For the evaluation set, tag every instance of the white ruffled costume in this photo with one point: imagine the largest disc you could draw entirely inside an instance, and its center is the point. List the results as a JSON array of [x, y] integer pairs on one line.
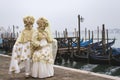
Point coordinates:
[[43, 61], [43, 57], [44, 54], [21, 53]]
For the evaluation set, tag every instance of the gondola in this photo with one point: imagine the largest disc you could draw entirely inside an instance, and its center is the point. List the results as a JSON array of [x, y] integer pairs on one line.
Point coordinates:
[[84, 52], [99, 59], [74, 44], [80, 56], [96, 57], [108, 59], [115, 56], [83, 44], [108, 45], [63, 43], [112, 57]]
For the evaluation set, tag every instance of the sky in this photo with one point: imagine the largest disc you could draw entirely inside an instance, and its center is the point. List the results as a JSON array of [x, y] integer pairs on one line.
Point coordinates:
[[62, 13]]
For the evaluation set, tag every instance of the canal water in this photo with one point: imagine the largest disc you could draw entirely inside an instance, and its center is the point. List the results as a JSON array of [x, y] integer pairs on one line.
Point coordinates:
[[97, 68]]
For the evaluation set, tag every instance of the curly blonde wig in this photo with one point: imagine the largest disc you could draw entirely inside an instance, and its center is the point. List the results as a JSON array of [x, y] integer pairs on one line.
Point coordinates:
[[28, 20], [42, 22]]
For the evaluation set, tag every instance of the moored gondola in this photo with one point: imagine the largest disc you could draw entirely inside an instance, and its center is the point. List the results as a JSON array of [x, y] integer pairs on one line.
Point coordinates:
[[110, 57], [82, 56]]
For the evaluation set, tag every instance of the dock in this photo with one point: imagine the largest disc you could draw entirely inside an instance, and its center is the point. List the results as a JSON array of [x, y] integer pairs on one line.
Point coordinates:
[[61, 73]]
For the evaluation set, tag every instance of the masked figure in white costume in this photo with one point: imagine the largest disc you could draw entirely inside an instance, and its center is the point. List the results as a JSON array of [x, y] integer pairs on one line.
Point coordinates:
[[43, 56], [21, 54]]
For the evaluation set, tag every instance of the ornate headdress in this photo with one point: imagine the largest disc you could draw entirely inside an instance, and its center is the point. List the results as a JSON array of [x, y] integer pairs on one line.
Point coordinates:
[[28, 20], [43, 22]]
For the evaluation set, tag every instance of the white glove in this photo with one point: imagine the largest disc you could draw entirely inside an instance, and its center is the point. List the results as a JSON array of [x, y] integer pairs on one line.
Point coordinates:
[[43, 43]]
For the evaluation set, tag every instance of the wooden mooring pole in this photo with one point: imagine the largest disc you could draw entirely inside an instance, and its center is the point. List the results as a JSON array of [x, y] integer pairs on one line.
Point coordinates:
[[85, 34], [98, 33], [103, 39], [79, 34]]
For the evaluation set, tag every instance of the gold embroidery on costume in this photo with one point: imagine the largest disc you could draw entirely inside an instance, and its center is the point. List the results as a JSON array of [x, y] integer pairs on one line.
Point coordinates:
[[25, 50], [15, 58], [41, 41], [22, 48], [25, 36], [19, 49], [18, 56], [13, 68], [28, 47], [28, 56], [15, 51]]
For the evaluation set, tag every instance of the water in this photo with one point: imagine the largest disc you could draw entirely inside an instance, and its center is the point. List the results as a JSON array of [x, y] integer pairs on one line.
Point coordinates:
[[102, 69], [2, 52]]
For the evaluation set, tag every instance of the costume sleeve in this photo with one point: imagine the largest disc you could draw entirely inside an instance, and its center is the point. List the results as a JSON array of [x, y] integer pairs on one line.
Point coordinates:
[[49, 38], [35, 41], [54, 48], [20, 38]]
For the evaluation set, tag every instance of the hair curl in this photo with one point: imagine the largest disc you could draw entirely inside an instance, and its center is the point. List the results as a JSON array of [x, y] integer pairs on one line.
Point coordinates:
[[28, 20], [43, 22]]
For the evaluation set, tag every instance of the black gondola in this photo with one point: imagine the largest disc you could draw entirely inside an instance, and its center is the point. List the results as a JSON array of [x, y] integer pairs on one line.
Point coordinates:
[[97, 57], [99, 46]]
